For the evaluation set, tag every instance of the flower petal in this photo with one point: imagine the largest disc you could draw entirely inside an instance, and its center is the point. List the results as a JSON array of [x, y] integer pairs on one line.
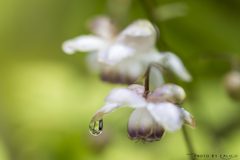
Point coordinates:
[[102, 26], [92, 63], [126, 97], [115, 53], [174, 63], [109, 108], [167, 115], [141, 35], [188, 119], [84, 43], [156, 78], [139, 89], [168, 92], [125, 72], [140, 123]]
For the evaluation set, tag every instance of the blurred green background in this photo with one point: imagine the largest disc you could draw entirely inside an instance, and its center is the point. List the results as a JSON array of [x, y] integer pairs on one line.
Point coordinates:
[[47, 98]]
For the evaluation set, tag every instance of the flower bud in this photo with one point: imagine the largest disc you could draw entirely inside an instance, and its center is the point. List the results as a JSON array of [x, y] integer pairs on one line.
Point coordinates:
[[141, 126], [168, 92], [232, 84]]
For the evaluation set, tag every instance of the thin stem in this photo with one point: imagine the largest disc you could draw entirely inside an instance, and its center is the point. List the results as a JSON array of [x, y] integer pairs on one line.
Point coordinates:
[[188, 141], [146, 92], [145, 77]]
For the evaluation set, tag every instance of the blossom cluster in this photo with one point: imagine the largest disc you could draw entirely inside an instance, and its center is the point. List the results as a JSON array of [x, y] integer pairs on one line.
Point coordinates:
[[124, 57]]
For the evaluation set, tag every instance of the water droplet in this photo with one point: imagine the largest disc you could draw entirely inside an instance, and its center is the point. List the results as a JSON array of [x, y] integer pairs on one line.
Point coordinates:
[[96, 127]]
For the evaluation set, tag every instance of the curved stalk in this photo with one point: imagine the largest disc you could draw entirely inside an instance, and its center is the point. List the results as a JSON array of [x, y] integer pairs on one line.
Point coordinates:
[[188, 141]]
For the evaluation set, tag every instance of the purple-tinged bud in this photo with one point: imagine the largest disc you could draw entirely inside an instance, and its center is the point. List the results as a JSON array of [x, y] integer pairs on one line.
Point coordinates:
[[232, 84], [141, 126]]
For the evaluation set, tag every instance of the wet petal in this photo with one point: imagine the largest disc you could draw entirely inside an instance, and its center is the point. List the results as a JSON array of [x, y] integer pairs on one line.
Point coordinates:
[[126, 97], [174, 63], [102, 26], [84, 43], [109, 108], [168, 92], [141, 35], [167, 115], [188, 119], [115, 54]]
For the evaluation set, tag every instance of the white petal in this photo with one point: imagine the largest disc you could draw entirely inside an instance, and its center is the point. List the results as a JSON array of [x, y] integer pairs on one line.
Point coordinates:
[[134, 68], [133, 123], [109, 108], [115, 53], [139, 89], [175, 64], [150, 56], [156, 78], [188, 119], [166, 114], [125, 72], [141, 35], [126, 97], [92, 63], [140, 123], [102, 26], [168, 93], [84, 43]]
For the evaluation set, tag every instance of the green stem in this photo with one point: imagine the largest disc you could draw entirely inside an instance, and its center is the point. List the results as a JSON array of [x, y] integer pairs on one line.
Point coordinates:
[[188, 141]]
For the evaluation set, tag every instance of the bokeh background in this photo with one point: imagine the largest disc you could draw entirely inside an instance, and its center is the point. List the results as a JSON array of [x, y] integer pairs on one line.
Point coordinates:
[[47, 98]]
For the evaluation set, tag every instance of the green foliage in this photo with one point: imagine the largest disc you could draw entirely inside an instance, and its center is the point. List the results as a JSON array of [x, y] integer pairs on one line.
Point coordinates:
[[47, 98]]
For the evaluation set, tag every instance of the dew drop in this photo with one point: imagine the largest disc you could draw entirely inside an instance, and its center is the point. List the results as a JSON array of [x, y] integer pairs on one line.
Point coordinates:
[[96, 127]]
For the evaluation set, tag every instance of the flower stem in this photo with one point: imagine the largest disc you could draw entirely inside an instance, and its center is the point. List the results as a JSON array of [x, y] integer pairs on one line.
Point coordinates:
[[188, 141], [146, 85]]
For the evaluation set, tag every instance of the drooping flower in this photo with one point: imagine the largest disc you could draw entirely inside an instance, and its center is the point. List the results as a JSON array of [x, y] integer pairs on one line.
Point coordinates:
[[124, 57], [153, 114]]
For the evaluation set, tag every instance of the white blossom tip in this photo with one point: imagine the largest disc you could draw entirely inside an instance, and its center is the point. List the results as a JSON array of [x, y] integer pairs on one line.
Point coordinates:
[[175, 65], [189, 120], [168, 93], [125, 97]]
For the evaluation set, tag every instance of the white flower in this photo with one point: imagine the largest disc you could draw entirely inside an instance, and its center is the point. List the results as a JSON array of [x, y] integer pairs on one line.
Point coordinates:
[[153, 114], [125, 56]]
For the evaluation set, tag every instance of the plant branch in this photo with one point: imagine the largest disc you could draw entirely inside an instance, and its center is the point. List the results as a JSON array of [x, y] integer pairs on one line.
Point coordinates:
[[147, 74]]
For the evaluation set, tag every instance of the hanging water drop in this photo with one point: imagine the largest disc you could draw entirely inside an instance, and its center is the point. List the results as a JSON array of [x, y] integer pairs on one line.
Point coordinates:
[[96, 127]]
